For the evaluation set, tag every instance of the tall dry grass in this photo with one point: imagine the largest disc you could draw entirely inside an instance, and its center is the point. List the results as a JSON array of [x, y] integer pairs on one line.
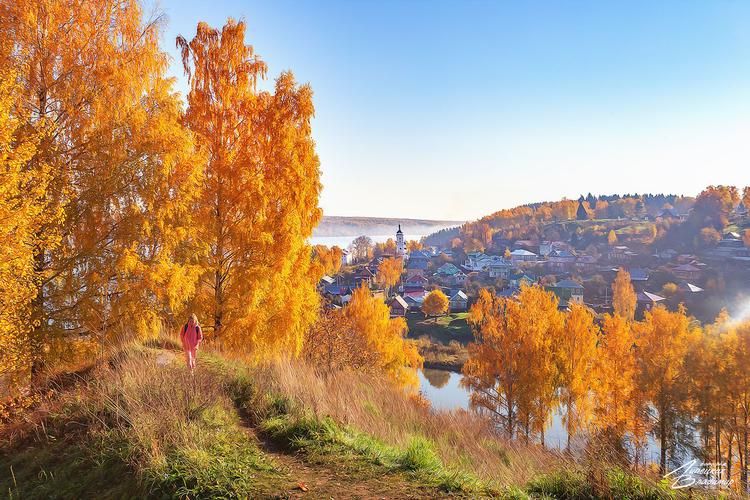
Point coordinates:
[[375, 406]]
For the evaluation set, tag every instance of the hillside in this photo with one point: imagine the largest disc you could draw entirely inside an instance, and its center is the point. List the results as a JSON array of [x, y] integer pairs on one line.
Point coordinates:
[[372, 226], [277, 431]]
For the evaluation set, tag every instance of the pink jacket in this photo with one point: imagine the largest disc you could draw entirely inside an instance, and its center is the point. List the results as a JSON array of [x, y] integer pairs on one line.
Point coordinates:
[[191, 335]]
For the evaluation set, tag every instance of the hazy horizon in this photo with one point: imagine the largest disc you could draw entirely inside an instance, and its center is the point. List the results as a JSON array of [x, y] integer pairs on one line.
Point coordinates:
[[460, 109]]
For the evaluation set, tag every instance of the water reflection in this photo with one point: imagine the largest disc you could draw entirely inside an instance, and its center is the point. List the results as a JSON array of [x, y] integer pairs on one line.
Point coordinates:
[[443, 389], [437, 378]]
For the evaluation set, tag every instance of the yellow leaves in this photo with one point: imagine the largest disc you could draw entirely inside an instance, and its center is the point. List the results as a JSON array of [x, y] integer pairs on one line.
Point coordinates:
[[512, 366], [389, 272], [623, 296], [377, 338], [435, 303], [257, 203]]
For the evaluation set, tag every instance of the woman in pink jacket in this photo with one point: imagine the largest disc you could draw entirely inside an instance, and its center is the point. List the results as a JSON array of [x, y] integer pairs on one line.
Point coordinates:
[[191, 337]]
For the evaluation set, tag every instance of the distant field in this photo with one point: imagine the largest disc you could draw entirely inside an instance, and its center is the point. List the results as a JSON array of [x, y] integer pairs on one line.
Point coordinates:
[[356, 226]]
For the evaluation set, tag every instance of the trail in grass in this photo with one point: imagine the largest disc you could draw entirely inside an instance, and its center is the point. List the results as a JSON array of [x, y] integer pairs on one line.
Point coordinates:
[[313, 478]]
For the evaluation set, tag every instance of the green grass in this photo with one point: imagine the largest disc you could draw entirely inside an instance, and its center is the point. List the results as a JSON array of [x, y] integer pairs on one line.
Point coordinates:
[[442, 329], [66, 469], [613, 483], [143, 429], [328, 441]]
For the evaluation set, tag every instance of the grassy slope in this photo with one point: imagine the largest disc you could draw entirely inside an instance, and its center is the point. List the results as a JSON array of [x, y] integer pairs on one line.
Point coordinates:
[[442, 340], [138, 425]]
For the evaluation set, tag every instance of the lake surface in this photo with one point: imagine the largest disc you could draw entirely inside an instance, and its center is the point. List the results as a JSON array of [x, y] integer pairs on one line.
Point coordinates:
[[443, 389]]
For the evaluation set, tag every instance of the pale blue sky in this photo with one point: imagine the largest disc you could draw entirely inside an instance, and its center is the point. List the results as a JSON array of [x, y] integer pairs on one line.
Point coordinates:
[[453, 110]]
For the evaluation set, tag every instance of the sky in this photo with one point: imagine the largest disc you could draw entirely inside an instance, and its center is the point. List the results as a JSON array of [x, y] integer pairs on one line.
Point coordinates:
[[454, 110]]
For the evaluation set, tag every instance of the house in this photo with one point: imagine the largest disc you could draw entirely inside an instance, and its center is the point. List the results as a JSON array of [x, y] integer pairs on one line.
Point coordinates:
[[585, 263], [687, 272], [324, 282], [688, 288], [346, 257], [647, 300], [638, 274], [500, 269], [518, 278], [458, 302], [520, 255], [547, 247], [668, 213], [567, 291], [560, 260], [415, 282], [447, 269], [419, 255], [449, 274], [416, 267], [399, 306], [619, 253], [364, 275]]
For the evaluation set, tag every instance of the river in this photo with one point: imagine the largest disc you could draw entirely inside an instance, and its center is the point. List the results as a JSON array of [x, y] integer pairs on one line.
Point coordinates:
[[443, 389]]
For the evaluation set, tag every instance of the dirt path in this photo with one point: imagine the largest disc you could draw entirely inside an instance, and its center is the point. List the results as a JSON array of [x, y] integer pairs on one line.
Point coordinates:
[[315, 479]]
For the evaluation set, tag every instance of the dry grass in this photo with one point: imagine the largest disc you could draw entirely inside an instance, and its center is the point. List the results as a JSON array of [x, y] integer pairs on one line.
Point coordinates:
[[371, 404]]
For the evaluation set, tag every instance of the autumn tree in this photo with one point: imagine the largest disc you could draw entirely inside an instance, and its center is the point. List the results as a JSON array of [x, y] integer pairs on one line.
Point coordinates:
[[384, 336], [612, 238], [389, 273], [328, 259], [362, 248], [413, 245], [618, 404], [713, 206], [333, 343], [23, 220], [746, 238], [511, 368], [663, 339], [576, 353], [435, 303], [623, 295], [91, 87], [259, 198]]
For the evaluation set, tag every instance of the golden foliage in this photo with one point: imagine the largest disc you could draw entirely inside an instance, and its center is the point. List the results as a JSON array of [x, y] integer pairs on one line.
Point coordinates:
[[115, 164], [389, 272], [258, 202], [576, 353], [511, 368], [328, 260], [623, 296], [435, 303], [384, 336]]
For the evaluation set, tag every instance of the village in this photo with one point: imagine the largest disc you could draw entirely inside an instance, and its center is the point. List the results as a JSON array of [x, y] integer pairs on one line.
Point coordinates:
[[699, 280]]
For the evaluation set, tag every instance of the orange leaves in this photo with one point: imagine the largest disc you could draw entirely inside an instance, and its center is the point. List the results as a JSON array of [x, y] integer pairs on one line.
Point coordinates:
[[511, 367], [383, 337], [258, 202], [389, 272], [623, 296], [435, 303]]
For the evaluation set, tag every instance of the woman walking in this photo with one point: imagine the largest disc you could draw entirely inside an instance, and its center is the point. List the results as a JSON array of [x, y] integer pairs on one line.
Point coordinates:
[[191, 336]]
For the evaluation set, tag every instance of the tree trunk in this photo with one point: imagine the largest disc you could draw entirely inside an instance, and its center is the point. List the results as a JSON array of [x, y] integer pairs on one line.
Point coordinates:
[[662, 444]]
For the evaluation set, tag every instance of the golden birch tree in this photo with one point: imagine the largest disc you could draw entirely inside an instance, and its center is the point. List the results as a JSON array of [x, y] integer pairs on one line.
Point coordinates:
[[623, 296], [92, 86], [259, 199]]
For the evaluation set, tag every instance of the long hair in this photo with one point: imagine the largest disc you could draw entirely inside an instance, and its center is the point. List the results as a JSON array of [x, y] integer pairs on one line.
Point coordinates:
[[195, 319]]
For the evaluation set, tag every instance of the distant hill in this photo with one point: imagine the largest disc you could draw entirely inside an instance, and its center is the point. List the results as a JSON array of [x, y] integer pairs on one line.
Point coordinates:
[[333, 225]]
